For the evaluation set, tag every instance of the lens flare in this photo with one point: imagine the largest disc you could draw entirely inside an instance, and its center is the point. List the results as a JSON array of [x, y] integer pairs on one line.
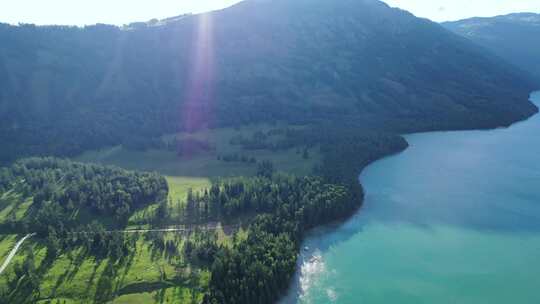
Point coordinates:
[[197, 107]]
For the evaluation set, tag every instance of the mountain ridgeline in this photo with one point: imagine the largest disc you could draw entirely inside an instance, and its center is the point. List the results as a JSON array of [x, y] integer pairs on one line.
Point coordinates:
[[64, 90], [513, 37]]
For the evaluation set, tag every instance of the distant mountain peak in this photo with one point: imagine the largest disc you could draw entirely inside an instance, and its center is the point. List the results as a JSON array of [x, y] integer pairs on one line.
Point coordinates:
[[524, 17], [517, 18], [514, 37]]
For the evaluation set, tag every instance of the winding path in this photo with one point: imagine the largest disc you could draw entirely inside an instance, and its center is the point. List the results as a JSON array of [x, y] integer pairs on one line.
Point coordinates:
[[13, 252]]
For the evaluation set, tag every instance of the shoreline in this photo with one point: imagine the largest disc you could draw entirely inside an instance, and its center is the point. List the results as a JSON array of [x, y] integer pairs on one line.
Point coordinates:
[[337, 223]]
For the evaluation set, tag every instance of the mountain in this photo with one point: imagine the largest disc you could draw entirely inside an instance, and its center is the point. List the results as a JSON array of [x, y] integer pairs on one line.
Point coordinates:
[[67, 89], [513, 37]]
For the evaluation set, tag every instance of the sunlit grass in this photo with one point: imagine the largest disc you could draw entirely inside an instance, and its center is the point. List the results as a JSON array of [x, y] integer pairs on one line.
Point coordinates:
[[147, 273], [179, 186]]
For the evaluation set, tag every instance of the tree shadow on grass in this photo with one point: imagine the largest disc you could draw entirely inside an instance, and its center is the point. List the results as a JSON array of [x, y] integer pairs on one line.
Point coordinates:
[[128, 263], [160, 295], [92, 278], [71, 270], [104, 287], [156, 245], [77, 263]]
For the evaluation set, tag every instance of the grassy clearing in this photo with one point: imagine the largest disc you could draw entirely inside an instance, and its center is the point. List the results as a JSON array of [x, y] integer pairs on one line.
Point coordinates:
[[202, 166], [179, 186], [148, 275], [178, 189], [206, 164]]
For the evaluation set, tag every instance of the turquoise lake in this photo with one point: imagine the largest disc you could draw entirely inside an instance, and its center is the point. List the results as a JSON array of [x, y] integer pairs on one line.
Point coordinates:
[[453, 219]]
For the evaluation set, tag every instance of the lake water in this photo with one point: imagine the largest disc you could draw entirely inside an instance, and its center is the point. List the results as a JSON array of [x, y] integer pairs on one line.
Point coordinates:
[[453, 219]]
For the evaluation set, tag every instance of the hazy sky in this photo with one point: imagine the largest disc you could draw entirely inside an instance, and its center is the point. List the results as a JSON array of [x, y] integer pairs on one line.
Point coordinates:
[[80, 12], [445, 10]]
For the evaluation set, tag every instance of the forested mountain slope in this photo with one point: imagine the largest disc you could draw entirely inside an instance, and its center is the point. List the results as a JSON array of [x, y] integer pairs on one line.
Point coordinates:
[[66, 89], [514, 37]]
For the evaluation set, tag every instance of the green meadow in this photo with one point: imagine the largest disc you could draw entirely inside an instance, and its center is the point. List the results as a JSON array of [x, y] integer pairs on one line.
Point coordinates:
[[206, 165]]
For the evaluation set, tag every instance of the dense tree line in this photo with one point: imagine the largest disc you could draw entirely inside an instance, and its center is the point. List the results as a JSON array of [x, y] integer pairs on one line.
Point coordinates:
[[201, 248], [259, 268], [267, 194], [59, 188]]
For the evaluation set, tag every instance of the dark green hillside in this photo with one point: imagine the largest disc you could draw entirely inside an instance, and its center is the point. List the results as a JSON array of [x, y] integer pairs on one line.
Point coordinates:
[[513, 37], [65, 90]]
